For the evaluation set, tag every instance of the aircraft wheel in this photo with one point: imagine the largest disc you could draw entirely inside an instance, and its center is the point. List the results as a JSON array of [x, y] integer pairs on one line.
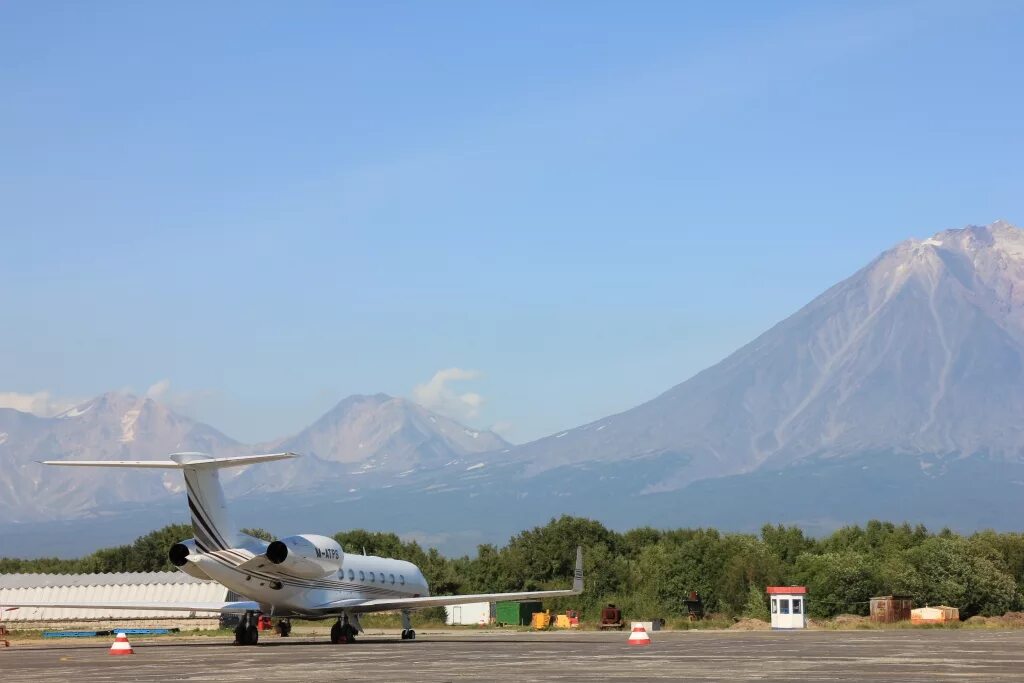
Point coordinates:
[[336, 633], [284, 628], [412, 634], [405, 634], [252, 635]]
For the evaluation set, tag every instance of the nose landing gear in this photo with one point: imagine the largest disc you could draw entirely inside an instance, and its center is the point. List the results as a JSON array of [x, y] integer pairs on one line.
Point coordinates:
[[407, 631]]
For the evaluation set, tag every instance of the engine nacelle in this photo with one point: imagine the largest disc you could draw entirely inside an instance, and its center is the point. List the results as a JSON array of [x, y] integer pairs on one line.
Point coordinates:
[[178, 554], [306, 555]]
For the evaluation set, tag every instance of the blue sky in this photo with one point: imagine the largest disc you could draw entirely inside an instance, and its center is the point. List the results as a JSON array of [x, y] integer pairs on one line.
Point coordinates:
[[255, 209]]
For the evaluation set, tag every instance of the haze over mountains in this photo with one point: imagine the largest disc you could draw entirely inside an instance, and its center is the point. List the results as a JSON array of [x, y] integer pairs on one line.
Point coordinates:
[[896, 393], [362, 439]]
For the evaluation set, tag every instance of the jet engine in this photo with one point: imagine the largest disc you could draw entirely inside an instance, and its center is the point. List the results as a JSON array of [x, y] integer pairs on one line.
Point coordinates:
[[178, 554], [306, 555]]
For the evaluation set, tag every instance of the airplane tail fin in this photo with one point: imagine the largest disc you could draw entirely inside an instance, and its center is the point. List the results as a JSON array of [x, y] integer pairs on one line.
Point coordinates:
[[214, 529]]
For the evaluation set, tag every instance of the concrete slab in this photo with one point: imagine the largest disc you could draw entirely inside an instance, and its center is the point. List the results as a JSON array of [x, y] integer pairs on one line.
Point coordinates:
[[903, 655]]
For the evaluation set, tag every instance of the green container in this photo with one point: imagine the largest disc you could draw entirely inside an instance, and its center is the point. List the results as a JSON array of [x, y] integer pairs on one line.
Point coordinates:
[[510, 613]]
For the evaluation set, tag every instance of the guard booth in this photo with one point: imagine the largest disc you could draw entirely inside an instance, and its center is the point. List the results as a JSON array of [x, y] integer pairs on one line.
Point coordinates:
[[788, 606]]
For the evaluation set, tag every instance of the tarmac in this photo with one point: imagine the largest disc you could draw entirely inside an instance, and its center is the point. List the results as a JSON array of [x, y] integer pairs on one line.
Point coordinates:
[[888, 655]]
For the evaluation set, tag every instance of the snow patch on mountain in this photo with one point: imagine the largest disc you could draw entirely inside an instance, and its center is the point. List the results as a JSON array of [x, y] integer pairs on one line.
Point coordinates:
[[76, 411]]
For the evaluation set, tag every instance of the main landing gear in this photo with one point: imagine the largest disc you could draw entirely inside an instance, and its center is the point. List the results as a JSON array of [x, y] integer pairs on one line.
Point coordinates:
[[246, 632], [407, 632], [343, 632]]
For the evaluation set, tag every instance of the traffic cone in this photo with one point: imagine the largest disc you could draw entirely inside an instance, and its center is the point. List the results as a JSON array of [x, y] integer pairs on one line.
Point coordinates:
[[121, 646], [639, 637]]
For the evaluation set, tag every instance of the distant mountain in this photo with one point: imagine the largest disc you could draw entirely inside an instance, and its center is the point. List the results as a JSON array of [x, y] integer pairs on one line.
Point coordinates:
[[112, 426], [897, 394], [363, 439], [369, 441], [919, 354]]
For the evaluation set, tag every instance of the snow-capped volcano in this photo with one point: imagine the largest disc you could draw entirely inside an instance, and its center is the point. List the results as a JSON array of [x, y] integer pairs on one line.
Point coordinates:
[[115, 426], [920, 352], [366, 441]]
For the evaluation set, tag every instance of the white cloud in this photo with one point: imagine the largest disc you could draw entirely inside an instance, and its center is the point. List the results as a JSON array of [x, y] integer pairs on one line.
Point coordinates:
[[439, 396], [194, 404], [158, 390], [40, 403]]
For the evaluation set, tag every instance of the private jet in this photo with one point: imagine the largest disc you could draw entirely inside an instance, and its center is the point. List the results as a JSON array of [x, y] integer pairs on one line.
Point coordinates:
[[303, 576]]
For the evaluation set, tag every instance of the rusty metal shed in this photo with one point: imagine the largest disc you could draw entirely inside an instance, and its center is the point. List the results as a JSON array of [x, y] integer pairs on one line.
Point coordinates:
[[888, 609]]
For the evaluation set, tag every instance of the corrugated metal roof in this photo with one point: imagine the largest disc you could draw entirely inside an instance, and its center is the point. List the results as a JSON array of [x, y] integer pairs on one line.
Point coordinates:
[[103, 579], [160, 587]]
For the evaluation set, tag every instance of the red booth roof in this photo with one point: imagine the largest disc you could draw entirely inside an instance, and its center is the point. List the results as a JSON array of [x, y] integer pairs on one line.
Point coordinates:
[[786, 590]]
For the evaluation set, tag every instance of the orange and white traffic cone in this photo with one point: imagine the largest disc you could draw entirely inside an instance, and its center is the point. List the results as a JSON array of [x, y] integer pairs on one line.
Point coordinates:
[[121, 646], [639, 637]]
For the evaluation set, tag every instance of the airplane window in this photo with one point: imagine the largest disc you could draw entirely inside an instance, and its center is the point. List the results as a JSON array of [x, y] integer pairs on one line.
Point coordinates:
[[382, 577], [362, 576], [401, 579], [392, 577], [351, 575], [372, 579]]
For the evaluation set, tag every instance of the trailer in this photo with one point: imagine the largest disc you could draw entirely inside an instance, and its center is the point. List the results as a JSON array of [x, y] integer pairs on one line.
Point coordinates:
[[469, 614]]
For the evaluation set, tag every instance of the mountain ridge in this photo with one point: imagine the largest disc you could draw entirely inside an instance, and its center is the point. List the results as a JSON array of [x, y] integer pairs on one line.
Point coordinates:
[[915, 360], [123, 426]]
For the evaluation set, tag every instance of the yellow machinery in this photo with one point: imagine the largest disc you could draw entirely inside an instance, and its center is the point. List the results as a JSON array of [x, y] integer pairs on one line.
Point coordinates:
[[541, 620]]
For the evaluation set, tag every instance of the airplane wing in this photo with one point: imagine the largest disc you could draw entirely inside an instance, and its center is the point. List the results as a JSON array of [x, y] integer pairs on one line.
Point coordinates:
[[385, 604], [231, 607]]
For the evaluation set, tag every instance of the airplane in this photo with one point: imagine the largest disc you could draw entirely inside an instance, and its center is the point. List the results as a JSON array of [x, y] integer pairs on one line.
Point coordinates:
[[302, 576]]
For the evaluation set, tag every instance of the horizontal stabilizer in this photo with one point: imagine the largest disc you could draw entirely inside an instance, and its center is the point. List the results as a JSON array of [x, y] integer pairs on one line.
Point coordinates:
[[179, 461]]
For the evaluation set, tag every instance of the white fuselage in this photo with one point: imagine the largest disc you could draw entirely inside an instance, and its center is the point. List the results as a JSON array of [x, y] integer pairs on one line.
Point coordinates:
[[361, 577]]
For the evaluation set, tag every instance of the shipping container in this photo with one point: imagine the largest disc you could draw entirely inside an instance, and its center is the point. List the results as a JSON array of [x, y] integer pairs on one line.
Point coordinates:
[[469, 614], [510, 613], [889, 609]]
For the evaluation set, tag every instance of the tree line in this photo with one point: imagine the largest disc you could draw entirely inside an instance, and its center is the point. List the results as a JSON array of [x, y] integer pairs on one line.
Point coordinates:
[[649, 572]]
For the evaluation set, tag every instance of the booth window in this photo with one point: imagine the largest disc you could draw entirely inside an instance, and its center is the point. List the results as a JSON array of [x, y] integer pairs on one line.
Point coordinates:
[[797, 605], [784, 606]]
